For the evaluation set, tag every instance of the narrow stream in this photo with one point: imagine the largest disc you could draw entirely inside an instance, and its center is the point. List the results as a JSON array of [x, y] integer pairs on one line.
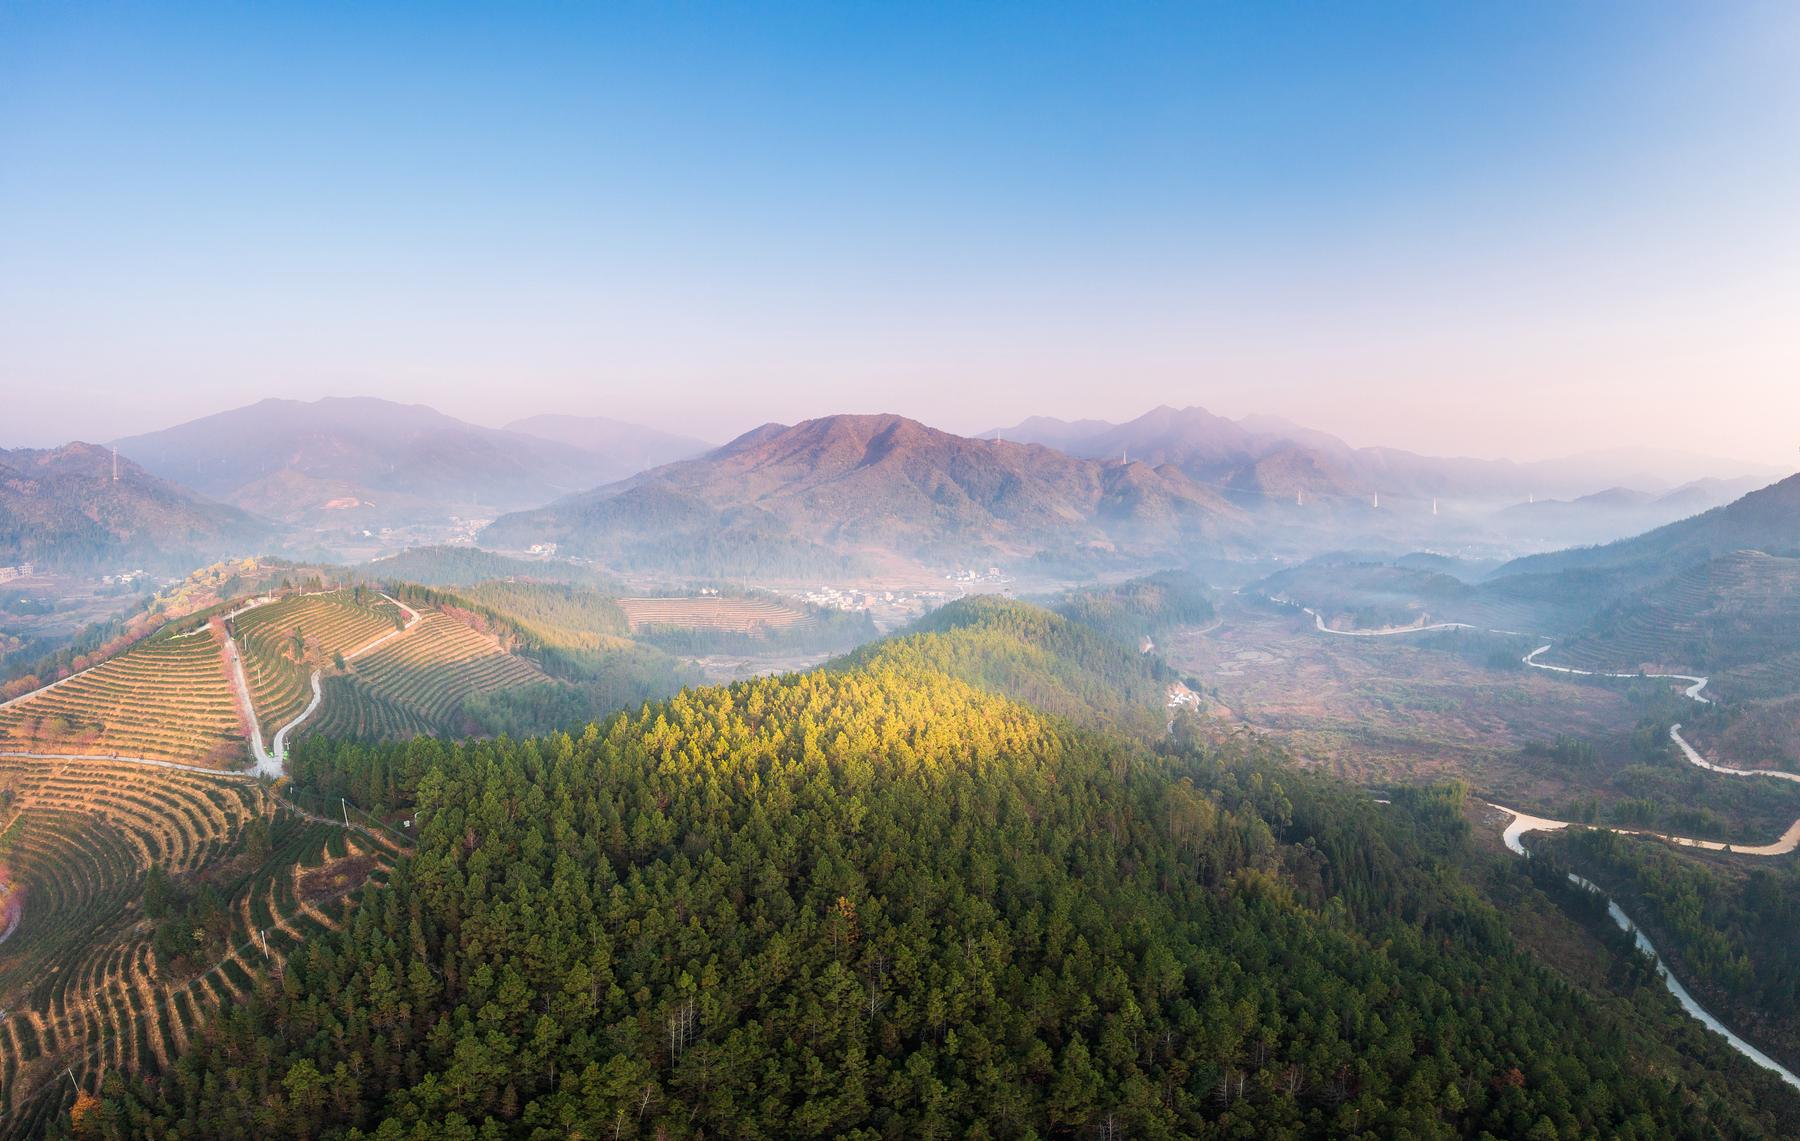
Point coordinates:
[[1515, 841]]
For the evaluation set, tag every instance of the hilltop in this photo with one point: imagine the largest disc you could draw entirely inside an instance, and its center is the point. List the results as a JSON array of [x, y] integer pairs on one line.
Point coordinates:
[[63, 507], [834, 486]]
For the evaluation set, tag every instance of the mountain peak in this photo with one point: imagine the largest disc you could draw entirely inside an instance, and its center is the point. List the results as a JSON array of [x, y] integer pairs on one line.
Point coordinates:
[[859, 482]]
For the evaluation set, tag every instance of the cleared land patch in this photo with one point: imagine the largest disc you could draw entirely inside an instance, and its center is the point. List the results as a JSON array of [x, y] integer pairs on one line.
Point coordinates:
[[1370, 711], [741, 615]]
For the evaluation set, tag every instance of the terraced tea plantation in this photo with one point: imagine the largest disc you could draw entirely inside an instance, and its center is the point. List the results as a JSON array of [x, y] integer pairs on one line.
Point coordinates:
[[82, 987], [351, 709], [285, 641], [416, 682], [1742, 610], [708, 612], [167, 699]]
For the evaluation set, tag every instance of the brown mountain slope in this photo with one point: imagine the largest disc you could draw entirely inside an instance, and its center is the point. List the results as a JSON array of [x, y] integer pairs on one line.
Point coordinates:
[[299, 461], [841, 483]]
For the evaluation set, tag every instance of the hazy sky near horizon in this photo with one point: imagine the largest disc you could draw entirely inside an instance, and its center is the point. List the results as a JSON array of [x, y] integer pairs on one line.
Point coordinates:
[[1479, 228]]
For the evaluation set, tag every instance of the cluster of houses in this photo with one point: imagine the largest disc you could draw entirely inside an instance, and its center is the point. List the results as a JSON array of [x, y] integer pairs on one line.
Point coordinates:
[[836, 598], [990, 575], [23, 570]]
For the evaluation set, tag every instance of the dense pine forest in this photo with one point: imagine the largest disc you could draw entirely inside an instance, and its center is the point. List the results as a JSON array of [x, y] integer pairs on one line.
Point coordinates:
[[890, 899], [1140, 607]]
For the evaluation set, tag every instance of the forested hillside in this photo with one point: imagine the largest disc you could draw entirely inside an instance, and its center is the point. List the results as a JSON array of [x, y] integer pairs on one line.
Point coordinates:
[[452, 566], [879, 901], [1139, 607], [1033, 655]]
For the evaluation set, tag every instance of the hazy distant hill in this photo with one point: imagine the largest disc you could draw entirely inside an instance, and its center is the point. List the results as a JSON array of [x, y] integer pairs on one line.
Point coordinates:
[[1269, 457], [626, 449], [62, 507], [1353, 594], [844, 484], [1048, 430], [1618, 512], [1764, 520], [359, 457]]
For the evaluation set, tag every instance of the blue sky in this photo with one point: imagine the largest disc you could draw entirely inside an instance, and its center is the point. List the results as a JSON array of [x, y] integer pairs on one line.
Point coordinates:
[[1506, 228]]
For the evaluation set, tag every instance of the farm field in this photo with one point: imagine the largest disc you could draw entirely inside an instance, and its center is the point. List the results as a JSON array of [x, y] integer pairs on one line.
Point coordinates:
[[167, 699], [416, 682], [285, 641], [83, 985], [1366, 710], [723, 669], [741, 615]]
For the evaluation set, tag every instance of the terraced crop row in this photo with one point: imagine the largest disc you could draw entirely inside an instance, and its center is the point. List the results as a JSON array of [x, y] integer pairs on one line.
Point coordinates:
[[165, 699], [329, 624], [280, 685], [431, 668], [82, 989], [353, 710], [336, 622], [1740, 610], [709, 613], [1775, 677]]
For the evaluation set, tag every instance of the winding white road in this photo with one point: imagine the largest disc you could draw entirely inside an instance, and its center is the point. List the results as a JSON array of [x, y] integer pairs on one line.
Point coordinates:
[[1521, 823], [1693, 691], [269, 761], [272, 762]]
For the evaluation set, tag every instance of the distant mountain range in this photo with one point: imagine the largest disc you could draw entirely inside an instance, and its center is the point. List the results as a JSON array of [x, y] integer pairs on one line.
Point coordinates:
[[359, 460], [1712, 591], [1618, 511], [1266, 456], [1172, 485], [839, 486], [62, 507]]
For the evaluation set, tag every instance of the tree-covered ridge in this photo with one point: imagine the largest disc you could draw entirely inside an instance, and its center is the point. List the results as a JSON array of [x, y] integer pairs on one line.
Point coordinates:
[[1032, 655], [464, 565], [79, 507], [1139, 607], [879, 902]]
